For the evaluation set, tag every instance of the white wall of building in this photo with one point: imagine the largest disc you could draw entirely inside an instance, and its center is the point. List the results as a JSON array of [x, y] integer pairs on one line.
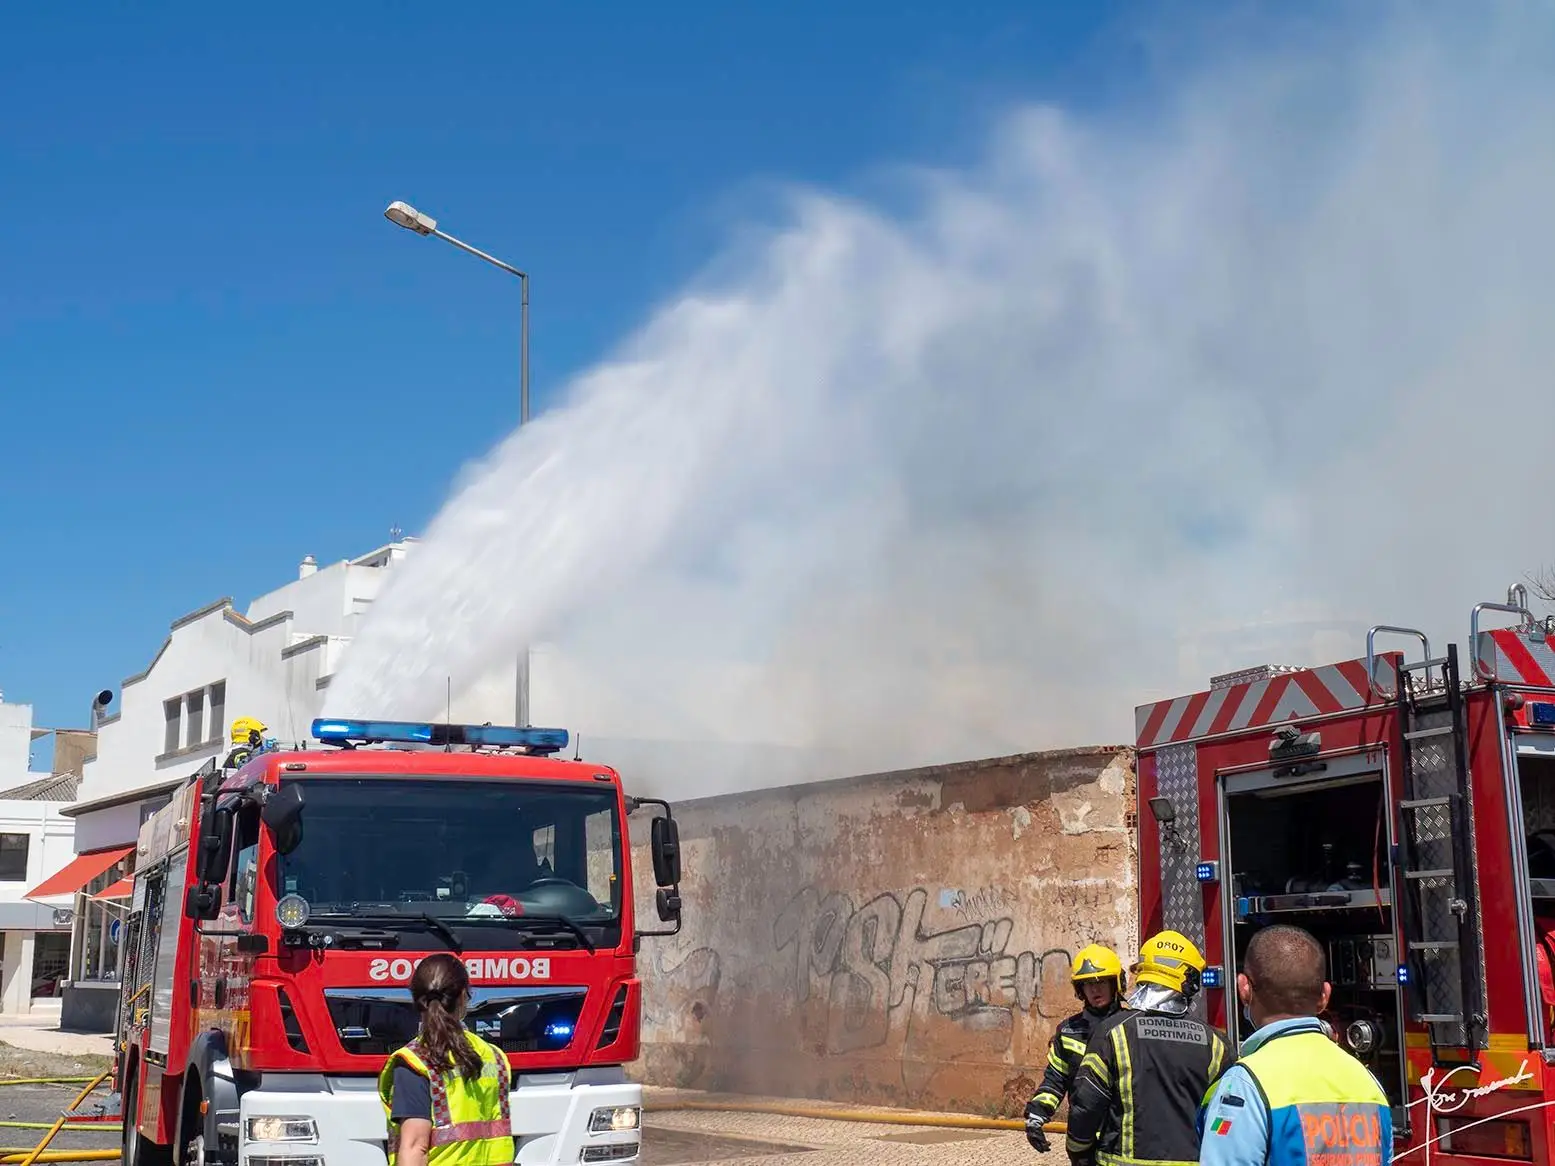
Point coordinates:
[[15, 743], [49, 846], [271, 661]]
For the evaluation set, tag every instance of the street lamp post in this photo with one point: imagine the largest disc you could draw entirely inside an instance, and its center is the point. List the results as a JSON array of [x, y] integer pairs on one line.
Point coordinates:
[[404, 215]]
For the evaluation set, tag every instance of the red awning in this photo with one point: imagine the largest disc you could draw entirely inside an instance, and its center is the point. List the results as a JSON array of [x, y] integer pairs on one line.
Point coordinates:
[[77, 873], [123, 889]]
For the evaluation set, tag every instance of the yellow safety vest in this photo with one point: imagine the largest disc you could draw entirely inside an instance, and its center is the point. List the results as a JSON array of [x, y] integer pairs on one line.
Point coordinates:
[[1325, 1107], [471, 1122]]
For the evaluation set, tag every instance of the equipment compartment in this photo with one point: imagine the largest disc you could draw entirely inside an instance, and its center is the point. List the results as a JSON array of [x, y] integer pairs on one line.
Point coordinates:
[[1317, 856]]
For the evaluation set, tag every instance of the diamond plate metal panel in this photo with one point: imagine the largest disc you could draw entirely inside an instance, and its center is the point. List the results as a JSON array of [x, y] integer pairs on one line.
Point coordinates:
[[1434, 774], [1182, 899]]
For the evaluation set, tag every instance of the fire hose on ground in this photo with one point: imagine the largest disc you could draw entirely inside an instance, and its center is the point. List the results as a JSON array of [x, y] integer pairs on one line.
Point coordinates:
[[31, 1156], [897, 1117], [40, 1153]]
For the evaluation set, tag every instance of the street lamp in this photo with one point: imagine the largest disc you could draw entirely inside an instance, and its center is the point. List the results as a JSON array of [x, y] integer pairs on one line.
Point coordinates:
[[402, 214]]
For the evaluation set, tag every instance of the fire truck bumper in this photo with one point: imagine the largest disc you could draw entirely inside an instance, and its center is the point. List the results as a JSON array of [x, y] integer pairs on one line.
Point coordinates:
[[588, 1116]]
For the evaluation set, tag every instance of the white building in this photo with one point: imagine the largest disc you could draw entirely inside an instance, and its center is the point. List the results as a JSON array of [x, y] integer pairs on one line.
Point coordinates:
[[271, 662], [35, 842]]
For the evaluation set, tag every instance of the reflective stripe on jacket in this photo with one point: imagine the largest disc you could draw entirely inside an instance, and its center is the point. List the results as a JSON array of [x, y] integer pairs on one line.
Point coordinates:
[[1064, 1056], [472, 1124], [1136, 1098], [1295, 1098]]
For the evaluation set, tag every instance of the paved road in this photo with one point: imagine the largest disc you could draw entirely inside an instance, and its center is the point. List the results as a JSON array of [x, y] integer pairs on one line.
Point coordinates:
[[43, 1103], [689, 1138], [673, 1138]]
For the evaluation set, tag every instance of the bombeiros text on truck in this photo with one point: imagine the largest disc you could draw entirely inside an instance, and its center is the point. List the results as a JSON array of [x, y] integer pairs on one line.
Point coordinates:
[[1401, 808], [281, 907]]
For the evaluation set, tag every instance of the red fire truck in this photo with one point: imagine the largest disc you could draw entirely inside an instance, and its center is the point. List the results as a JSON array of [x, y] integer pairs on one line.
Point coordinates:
[[1403, 811], [280, 909]]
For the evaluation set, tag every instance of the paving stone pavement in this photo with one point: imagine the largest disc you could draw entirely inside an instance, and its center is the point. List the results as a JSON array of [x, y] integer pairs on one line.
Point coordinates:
[[826, 1142]]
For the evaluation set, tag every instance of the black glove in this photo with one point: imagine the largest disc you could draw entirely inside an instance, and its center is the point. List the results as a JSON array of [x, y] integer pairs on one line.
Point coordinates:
[[1036, 1118]]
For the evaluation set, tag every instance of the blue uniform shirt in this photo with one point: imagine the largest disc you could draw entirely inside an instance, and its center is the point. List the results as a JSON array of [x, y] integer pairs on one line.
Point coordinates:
[[1234, 1122]]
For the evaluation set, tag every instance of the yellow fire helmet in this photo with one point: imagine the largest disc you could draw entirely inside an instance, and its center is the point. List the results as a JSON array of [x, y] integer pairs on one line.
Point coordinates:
[[243, 727], [1169, 959], [1096, 962]]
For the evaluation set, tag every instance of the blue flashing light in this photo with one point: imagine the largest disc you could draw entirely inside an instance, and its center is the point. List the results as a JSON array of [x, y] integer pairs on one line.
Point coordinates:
[[1244, 907], [1541, 713], [335, 731], [1214, 976], [1403, 973], [559, 1030], [1207, 872]]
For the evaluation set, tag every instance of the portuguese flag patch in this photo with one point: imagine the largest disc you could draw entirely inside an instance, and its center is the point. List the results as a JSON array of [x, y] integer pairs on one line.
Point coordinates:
[[1221, 1127]]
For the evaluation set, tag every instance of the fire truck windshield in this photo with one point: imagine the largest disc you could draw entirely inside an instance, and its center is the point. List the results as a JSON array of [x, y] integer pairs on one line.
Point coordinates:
[[488, 860]]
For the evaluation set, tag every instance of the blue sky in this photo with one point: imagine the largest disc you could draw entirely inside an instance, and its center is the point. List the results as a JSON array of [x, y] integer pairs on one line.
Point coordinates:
[[216, 356]]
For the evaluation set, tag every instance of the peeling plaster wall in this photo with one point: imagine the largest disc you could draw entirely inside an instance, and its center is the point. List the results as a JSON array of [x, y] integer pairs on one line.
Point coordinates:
[[899, 939]]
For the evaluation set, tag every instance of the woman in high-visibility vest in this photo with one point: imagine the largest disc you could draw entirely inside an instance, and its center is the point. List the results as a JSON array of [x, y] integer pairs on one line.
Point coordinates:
[[446, 1092]]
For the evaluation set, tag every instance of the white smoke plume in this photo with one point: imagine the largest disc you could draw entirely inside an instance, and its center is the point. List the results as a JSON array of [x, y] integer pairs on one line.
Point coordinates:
[[1136, 398]]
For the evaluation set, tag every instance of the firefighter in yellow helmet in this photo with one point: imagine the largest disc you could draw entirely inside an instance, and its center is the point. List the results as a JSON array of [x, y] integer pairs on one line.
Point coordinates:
[[248, 734], [1136, 1097], [1097, 976]]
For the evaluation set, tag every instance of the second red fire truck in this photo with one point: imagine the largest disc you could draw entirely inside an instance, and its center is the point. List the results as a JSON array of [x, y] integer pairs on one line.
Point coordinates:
[[281, 908], [1401, 807]]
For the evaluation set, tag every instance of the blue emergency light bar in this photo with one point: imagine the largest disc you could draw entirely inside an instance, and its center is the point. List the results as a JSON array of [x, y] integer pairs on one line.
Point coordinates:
[[333, 731], [1541, 713], [1214, 976]]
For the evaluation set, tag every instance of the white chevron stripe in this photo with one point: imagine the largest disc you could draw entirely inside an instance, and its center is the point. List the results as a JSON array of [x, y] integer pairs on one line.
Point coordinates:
[[1339, 688], [1292, 703], [1249, 705], [1169, 725], [1211, 710]]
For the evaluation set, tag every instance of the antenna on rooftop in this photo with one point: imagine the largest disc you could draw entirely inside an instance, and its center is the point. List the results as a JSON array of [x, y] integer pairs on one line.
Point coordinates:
[[395, 532]]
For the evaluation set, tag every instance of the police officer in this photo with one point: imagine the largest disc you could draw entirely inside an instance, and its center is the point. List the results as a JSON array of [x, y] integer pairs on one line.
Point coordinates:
[[1295, 1097], [446, 1093], [1097, 976], [1136, 1097]]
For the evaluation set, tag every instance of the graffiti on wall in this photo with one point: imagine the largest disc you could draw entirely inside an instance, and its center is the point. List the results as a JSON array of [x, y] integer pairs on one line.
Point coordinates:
[[683, 994], [881, 979]]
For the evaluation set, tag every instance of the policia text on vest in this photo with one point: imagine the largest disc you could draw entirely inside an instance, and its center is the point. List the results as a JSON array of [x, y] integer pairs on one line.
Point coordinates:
[[1295, 1098]]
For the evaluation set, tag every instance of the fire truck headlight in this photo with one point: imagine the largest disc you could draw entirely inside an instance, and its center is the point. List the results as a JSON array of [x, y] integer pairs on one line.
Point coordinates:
[[613, 1119], [292, 911], [282, 1129]]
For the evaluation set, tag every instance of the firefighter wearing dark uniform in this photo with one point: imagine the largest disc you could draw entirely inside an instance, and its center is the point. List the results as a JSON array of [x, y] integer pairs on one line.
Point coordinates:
[[248, 736], [1097, 976], [1136, 1098]]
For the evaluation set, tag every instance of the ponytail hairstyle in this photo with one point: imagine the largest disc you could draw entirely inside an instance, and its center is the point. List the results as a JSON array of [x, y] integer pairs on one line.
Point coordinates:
[[440, 989]]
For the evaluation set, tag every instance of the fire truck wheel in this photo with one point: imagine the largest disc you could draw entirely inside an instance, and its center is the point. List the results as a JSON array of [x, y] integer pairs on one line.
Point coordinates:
[[137, 1150]]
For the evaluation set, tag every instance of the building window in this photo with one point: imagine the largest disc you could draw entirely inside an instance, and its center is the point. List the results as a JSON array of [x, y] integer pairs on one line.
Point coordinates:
[[13, 858], [50, 961], [218, 693], [172, 710], [196, 705]]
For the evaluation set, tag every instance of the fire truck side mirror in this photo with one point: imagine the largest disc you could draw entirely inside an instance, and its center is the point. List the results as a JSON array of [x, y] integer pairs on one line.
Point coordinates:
[[282, 813], [666, 852], [669, 905], [202, 901], [215, 845]]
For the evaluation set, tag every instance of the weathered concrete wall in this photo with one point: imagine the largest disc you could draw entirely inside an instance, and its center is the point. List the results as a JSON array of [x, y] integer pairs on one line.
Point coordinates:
[[901, 939]]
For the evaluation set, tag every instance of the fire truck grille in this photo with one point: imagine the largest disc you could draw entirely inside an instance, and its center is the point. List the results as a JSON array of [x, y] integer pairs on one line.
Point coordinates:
[[372, 1022]]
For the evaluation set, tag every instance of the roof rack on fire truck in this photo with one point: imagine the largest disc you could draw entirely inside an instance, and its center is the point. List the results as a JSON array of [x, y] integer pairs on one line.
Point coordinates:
[[349, 733]]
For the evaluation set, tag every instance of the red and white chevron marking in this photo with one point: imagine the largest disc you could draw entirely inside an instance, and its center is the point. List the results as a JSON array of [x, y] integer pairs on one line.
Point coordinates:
[[1518, 657], [1310, 692]]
